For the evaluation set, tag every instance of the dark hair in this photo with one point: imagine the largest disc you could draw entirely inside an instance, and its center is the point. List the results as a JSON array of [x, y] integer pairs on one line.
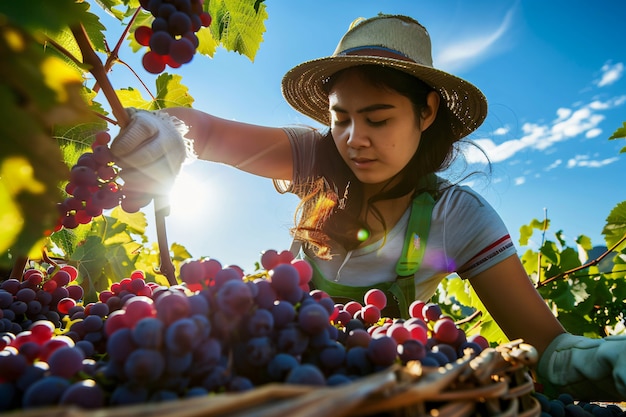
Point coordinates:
[[324, 214]]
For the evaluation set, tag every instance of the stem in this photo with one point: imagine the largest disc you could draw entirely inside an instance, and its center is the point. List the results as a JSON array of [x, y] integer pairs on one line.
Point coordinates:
[[18, 267], [543, 239], [587, 265], [99, 73], [160, 203], [113, 55], [138, 78]]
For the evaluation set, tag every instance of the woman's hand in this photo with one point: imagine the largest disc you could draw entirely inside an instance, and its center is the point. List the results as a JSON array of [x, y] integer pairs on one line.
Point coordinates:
[[589, 369], [150, 150]]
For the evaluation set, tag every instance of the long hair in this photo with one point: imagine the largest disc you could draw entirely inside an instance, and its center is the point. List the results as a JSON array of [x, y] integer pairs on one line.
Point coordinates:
[[333, 199]]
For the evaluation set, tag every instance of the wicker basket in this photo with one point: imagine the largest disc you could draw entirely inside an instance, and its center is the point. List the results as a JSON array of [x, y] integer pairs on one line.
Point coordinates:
[[495, 383]]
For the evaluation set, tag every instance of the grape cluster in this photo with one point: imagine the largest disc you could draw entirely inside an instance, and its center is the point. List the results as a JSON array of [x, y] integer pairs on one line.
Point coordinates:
[[40, 295], [92, 187], [564, 405], [219, 330], [172, 35]]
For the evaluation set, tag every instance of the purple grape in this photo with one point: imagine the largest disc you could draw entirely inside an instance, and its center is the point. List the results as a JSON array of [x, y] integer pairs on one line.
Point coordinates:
[[85, 394], [332, 356], [182, 336], [12, 366], [265, 295], [259, 351], [177, 364], [45, 392], [128, 394], [284, 279], [148, 333], [291, 339], [313, 318], [411, 350], [306, 374], [120, 344], [144, 366], [234, 298], [6, 298], [25, 295], [66, 361], [284, 313], [261, 323], [280, 365], [357, 361], [171, 306]]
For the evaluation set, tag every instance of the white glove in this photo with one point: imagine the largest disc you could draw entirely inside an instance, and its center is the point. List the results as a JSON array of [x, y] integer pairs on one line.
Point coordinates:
[[589, 369], [151, 150]]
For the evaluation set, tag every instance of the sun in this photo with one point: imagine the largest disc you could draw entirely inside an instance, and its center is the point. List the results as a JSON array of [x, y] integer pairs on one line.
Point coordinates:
[[188, 195]]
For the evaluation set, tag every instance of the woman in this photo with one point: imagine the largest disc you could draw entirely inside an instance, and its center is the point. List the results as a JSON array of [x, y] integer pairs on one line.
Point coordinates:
[[373, 212]]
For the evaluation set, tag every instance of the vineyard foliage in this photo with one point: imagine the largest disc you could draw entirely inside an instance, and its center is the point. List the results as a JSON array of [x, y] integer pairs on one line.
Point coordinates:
[[52, 110]]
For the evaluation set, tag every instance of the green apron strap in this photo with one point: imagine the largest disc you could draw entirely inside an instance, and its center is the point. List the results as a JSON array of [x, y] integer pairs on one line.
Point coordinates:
[[403, 288], [416, 236]]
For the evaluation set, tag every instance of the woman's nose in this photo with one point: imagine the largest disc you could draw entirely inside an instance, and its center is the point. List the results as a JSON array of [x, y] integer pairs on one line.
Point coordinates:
[[358, 136]]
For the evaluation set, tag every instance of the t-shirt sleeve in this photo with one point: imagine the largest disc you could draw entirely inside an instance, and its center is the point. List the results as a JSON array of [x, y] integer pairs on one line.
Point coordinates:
[[475, 235], [304, 141]]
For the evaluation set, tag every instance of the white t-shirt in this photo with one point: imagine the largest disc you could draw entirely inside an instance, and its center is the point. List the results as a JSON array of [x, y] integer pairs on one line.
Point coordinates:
[[466, 235]]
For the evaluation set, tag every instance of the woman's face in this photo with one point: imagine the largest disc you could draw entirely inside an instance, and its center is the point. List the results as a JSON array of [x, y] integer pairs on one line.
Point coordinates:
[[375, 129]]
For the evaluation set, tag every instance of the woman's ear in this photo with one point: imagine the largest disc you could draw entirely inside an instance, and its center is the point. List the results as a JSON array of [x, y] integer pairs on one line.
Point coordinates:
[[429, 113]]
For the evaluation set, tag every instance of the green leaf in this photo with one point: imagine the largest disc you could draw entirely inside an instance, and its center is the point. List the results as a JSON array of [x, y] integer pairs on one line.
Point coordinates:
[[207, 43], [41, 15], [527, 231], [143, 18], [129, 97], [110, 7], [136, 222], [615, 227], [584, 242], [237, 25], [171, 93], [619, 133]]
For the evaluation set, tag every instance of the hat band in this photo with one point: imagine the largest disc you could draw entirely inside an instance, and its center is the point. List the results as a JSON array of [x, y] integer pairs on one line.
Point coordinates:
[[380, 51]]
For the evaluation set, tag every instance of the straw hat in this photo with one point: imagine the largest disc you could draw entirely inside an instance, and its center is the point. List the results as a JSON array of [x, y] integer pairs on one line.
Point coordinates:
[[394, 41]]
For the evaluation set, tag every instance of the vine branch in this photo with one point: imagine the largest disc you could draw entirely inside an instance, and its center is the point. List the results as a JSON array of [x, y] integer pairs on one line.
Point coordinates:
[[160, 202], [587, 265]]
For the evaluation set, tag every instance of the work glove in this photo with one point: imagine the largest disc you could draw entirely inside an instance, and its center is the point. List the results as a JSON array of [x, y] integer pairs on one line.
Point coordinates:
[[588, 369], [151, 150]]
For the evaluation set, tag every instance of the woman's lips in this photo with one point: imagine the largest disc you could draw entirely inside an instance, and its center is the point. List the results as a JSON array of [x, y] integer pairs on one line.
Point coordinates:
[[362, 162]]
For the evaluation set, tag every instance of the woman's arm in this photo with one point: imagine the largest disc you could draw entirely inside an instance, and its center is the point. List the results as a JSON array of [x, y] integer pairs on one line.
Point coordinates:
[[259, 150], [513, 302]]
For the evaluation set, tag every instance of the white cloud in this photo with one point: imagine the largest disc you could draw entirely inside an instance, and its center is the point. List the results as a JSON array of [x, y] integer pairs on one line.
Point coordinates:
[[555, 164], [520, 180], [569, 123], [592, 133], [584, 161], [610, 74], [501, 131], [456, 56]]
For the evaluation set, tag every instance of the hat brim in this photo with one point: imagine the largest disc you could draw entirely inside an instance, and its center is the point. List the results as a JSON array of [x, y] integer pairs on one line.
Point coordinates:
[[302, 87]]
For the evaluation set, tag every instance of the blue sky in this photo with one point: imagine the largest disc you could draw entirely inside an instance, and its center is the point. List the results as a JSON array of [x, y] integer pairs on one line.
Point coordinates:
[[553, 73]]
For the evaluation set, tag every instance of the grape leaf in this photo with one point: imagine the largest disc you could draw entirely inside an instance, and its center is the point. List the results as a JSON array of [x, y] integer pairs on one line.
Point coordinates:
[[143, 18], [526, 231], [207, 43], [619, 133], [171, 93], [39, 15], [615, 227], [237, 25], [136, 222], [129, 97]]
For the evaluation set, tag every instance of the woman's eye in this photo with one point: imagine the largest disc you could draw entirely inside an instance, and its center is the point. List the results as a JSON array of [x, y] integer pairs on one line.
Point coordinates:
[[341, 122], [377, 123]]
